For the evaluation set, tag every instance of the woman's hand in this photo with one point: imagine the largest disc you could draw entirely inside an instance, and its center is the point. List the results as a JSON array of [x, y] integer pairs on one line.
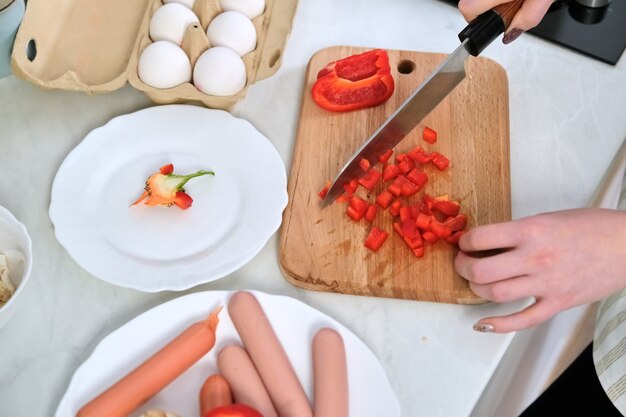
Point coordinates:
[[563, 259], [528, 16]]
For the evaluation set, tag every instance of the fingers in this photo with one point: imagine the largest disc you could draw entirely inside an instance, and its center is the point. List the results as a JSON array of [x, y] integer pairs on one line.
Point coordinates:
[[490, 269], [507, 290], [470, 9], [531, 316], [492, 236], [529, 15]]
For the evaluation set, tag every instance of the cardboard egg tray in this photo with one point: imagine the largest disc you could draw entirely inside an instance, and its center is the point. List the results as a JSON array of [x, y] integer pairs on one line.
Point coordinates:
[[94, 46]]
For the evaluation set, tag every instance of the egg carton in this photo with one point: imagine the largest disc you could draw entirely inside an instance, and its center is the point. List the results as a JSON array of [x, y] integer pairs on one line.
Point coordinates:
[[94, 46]]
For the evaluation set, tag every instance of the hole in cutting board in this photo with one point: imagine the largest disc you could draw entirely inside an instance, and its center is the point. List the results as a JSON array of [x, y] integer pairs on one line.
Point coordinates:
[[406, 67], [31, 50]]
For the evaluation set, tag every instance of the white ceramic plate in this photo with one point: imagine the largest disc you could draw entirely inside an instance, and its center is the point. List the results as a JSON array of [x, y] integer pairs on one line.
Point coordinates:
[[294, 322], [155, 248]]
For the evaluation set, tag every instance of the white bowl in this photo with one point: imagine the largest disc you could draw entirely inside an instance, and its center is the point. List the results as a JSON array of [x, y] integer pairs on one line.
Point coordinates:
[[16, 245]]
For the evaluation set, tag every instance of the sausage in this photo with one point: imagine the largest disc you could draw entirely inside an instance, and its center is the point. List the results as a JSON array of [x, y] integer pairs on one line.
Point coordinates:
[[234, 363], [330, 375], [215, 392], [268, 356], [156, 372]]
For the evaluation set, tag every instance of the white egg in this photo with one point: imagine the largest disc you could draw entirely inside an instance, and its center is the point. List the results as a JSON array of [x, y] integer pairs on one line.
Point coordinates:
[[234, 30], [251, 8], [186, 3], [163, 64], [170, 21], [219, 71]]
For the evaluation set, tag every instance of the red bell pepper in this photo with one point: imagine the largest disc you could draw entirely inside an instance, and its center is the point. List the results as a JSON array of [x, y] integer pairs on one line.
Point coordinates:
[[395, 207], [429, 135], [356, 82], [370, 214], [370, 179], [456, 223], [375, 239], [384, 157], [364, 164], [384, 199], [447, 207], [440, 161], [165, 188], [390, 172]]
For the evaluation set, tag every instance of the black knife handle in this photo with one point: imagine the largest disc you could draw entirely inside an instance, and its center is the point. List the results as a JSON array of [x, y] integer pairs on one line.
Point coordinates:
[[486, 27]]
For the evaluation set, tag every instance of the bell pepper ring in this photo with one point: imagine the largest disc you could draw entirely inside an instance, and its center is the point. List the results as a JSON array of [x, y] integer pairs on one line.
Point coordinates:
[[355, 82]]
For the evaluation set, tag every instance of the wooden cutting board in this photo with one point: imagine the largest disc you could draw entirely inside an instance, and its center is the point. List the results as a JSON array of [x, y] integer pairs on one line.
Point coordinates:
[[322, 249]]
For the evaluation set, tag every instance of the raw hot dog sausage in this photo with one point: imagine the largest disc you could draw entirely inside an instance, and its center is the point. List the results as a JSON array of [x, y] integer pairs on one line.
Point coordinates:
[[156, 372], [215, 392], [234, 363], [268, 356], [330, 374]]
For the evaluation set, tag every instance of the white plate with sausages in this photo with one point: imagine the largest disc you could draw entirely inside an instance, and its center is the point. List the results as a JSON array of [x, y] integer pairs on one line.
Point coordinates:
[[295, 324], [153, 249]]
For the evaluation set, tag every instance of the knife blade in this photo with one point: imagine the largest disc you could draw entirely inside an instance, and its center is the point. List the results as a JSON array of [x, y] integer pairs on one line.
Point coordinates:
[[474, 39]]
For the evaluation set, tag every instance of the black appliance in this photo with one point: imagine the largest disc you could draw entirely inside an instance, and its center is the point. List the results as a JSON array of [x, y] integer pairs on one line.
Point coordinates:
[[596, 28]]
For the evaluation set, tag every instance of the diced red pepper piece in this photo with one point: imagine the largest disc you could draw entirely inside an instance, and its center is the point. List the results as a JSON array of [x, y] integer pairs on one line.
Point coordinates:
[[428, 201], [409, 229], [370, 214], [418, 177], [355, 82], [343, 198], [364, 164], [384, 157], [375, 238], [456, 223], [454, 239], [406, 165], [430, 237], [440, 161], [413, 242], [394, 209], [350, 187], [397, 227], [390, 172], [419, 252], [384, 199], [370, 179], [420, 156], [358, 204], [401, 157], [423, 221], [408, 189], [396, 186], [324, 190], [429, 135], [414, 211], [449, 208], [439, 229], [354, 214], [405, 213]]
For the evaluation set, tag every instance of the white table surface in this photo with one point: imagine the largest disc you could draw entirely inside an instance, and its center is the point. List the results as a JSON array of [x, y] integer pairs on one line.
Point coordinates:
[[568, 117]]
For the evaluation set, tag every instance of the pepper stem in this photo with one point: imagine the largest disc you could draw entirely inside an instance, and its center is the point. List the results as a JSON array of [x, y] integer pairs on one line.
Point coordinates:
[[185, 178]]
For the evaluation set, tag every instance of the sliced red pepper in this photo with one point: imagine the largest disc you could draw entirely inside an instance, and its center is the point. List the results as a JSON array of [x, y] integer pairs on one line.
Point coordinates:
[[375, 238], [356, 82], [395, 207], [430, 237], [364, 164], [343, 197], [405, 213], [350, 187], [418, 177], [420, 156], [406, 166], [413, 242], [370, 214], [456, 223], [419, 252], [440, 161], [384, 157], [454, 239], [233, 410], [390, 172], [409, 229], [449, 208], [423, 221], [397, 227], [384, 199], [370, 179], [324, 190], [409, 189], [429, 135], [439, 229], [396, 186], [358, 204]]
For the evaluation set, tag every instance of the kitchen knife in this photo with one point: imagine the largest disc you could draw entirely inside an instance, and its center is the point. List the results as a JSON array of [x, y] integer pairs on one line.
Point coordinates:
[[474, 38]]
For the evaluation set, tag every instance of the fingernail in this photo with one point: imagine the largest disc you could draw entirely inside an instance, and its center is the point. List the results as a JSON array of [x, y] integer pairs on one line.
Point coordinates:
[[483, 327], [511, 35]]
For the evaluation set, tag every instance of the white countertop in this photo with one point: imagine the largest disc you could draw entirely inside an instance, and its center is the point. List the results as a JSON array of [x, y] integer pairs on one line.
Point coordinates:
[[567, 115]]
